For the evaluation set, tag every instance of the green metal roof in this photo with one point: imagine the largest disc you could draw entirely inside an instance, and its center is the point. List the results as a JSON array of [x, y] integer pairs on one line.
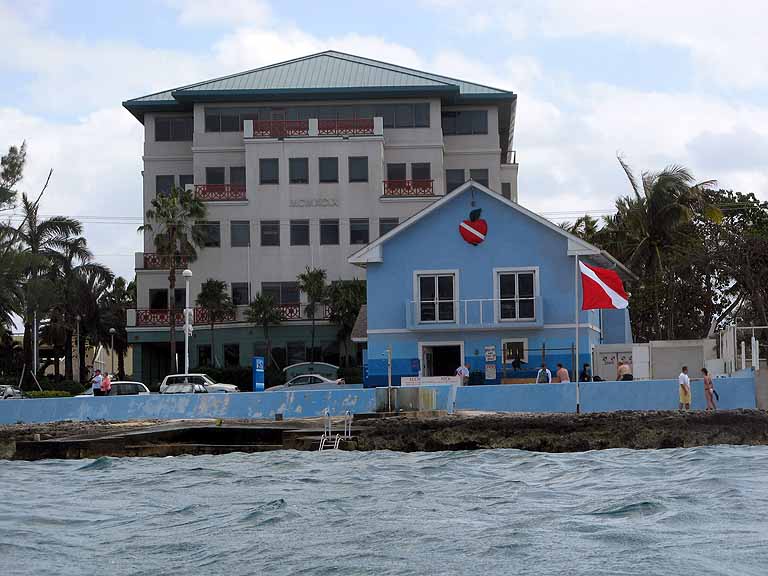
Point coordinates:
[[327, 74]]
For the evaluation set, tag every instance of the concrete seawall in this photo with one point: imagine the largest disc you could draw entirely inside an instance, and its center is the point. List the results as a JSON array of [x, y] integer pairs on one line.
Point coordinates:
[[530, 398]]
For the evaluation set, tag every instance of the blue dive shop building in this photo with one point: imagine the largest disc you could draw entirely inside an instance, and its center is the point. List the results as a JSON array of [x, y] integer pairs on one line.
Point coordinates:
[[477, 278]]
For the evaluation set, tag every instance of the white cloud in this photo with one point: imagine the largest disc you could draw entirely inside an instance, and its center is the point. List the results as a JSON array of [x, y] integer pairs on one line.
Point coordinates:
[[222, 12]]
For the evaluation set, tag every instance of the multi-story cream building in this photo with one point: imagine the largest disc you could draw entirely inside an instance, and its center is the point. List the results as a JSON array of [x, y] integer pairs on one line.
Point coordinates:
[[300, 164]]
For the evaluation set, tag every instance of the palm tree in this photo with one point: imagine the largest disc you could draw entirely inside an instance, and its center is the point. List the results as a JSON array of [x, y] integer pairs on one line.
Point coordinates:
[[215, 300], [264, 311], [112, 311], [72, 269], [41, 242], [12, 267], [585, 227], [344, 300], [312, 283], [172, 219]]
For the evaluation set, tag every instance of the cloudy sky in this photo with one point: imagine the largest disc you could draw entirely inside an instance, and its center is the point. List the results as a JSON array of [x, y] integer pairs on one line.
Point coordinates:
[[657, 81]]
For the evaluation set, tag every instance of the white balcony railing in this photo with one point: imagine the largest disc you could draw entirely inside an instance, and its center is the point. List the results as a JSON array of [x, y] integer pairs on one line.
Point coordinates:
[[474, 313]]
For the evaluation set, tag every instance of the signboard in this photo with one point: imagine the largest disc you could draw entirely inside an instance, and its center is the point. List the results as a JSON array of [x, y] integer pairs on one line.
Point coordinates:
[[490, 371], [409, 381], [258, 374], [490, 353], [429, 380]]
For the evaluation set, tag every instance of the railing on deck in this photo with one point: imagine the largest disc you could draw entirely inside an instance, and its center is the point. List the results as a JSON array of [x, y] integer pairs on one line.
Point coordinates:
[[350, 127], [408, 188], [220, 192], [478, 312], [149, 317], [280, 128]]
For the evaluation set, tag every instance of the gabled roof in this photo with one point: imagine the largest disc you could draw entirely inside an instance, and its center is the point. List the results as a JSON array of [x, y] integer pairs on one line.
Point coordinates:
[[328, 74], [360, 329], [373, 253]]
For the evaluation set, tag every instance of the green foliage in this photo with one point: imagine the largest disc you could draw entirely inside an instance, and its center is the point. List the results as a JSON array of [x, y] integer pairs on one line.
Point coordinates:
[[11, 173], [213, 298], [264, 311], [312, 283], [344, 300], [47, 394]]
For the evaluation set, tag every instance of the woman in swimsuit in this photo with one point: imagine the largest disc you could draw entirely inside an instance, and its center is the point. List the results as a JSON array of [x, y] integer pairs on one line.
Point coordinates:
[[709, 390]]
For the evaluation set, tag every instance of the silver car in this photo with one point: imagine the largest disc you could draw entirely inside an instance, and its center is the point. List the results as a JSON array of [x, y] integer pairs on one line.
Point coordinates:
[[8, 392], [201, 379], [308, 382], [122, 388]]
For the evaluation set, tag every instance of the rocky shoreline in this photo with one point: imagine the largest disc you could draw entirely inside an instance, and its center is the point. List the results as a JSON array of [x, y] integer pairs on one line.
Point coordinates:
[[409, 433]]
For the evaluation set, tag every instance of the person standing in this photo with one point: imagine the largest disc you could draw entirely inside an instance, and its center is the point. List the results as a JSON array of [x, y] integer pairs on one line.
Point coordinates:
[[463, 371], [709, 390], [544, 376], [96, 383], [562, 374], [106, 384], [586, 373], [684, 384]]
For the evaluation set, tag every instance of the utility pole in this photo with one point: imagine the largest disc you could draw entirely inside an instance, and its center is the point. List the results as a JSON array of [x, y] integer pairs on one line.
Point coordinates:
[[187, 320]]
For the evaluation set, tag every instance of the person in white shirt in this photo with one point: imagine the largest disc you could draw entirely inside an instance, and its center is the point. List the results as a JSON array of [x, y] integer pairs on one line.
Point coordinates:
[[463, 371], [96, 383], [544, 376], [684, 385]]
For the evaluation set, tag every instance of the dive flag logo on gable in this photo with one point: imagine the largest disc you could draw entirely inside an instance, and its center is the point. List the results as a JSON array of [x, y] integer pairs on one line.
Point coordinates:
[[601, 288]]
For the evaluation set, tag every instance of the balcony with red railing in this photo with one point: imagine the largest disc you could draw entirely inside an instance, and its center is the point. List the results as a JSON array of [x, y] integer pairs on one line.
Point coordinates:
[[220, 192], [280, 128], [350, 127], [149, 317], [154, 261], [313, 127], [408, 188]]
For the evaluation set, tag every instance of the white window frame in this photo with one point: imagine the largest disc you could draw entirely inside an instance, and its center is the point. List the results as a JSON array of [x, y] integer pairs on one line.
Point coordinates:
[[497, 272], [523, 341], [417, 295]]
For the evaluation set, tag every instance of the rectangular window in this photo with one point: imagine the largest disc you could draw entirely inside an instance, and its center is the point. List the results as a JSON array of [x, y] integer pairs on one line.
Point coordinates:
[[240, 233], [212, 122], [506, 190], [329, 169], [329, 232], [230, 121], [269, 171], [174, 129], [298, 170], [465, 122], [240, 293], [237, 175], [387, 224], [358, 168], [214, 175], [270, 233], [158, 299], [204, 355], [396, 171], [436, 293], [421, 171], [421, 115], [517, 300], [404, 116], [299, 232], [387, 112], [358, 231], [164, 185], [232, 354], [186, 180], [283, 293], [179, 298], [454, 178], [480, 176], [211, 233]]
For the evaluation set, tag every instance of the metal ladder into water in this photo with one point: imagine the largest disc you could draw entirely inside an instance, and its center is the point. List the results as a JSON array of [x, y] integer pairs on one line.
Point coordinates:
[[330, 442]]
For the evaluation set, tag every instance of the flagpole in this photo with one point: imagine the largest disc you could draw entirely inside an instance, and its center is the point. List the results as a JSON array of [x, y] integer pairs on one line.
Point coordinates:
[[576, 310]]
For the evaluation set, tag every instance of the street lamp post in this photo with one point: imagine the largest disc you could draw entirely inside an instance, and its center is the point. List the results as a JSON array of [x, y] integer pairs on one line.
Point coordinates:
[[187, 320], [112, 350]]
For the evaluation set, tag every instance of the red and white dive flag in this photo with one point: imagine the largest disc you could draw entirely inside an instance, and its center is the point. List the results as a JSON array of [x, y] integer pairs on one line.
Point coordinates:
[[601, 288]]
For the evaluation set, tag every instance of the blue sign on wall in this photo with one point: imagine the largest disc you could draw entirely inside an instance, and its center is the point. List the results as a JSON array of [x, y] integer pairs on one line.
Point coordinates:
[[258, 374]]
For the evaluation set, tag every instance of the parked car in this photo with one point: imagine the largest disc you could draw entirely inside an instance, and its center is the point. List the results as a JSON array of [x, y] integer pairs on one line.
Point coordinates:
[[122, 388], [184, 388], [308, 382], [8, 392], [202, 379]]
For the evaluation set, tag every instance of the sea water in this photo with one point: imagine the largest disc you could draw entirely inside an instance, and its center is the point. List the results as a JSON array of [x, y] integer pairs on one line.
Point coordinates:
[[668, 512]]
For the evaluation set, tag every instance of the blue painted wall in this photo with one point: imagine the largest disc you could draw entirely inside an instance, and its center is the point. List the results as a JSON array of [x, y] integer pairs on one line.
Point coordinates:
[[595, 397], [513, 240], [663, 395]]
